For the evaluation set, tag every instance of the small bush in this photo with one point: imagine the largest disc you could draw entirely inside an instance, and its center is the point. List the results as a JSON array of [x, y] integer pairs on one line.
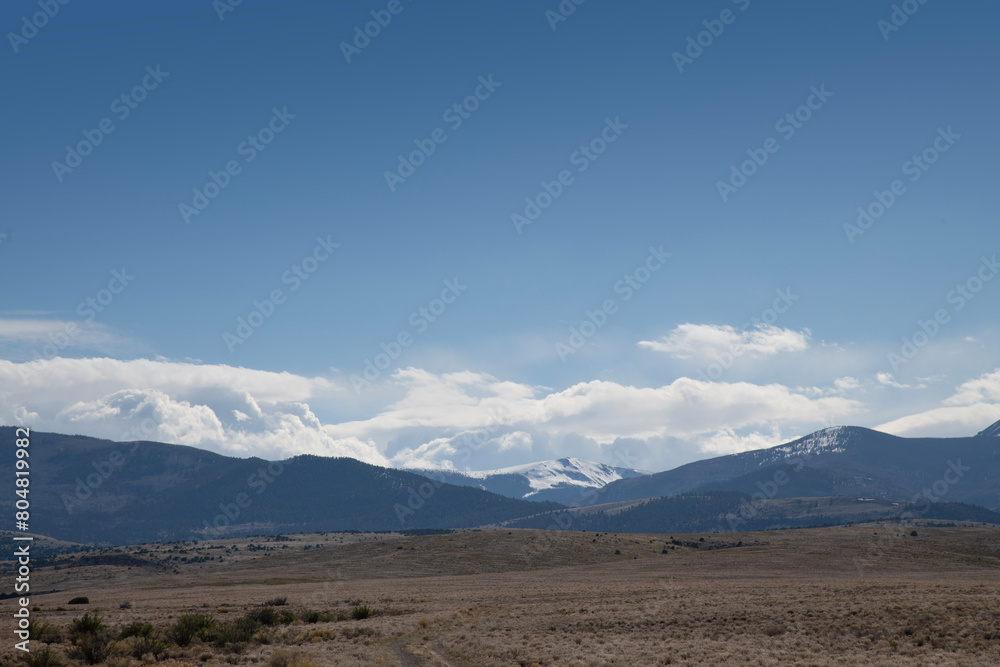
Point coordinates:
[[82, 599], [125, 605], [264, 615], [138, 629], [43, 632], [95, 648], [309, 616], [360, 612], [235, 633], [88, 624], [190, 626], [141, 645], [775, 630], [277, 602], [44, 657]]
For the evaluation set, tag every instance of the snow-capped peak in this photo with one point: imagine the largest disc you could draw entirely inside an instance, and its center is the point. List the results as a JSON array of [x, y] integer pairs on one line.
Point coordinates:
[[991, 431], [828, 441], [564, 472]]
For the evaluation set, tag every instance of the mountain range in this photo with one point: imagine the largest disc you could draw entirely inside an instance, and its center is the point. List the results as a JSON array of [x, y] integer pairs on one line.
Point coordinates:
[[839, 461], [565, 480], [96, 491]]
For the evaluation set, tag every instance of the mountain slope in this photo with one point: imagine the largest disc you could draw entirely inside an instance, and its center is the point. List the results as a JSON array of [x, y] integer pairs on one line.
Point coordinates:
[[98, 491], [563, 480], [845, 460]]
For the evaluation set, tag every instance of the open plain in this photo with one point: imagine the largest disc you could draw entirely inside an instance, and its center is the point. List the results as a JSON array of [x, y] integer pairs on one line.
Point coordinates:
[[877, 594]]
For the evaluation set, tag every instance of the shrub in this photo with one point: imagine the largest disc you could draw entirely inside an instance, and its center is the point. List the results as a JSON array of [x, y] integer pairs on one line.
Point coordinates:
[[234, 633], [95, 648], [88, 624], [360, 612], [43, 632], [277, 602], [125, 605], [140, 645], [190, 626], [264, 615], [81, 599], [310, 616], [138, 629], [44, 657]]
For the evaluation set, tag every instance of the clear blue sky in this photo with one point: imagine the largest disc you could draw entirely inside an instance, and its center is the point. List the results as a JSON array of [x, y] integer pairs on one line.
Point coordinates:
[[552, 91]]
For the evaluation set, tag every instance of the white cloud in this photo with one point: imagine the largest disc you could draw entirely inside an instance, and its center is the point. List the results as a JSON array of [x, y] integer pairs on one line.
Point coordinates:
[[728, 442], [709, 341], [234, 411], [974, 406], [887, 380], [51, 337], [846, 383], [474, 411], [464, 419]]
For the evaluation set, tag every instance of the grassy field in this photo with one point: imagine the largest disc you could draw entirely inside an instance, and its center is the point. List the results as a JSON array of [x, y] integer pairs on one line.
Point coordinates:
[[863, 595]]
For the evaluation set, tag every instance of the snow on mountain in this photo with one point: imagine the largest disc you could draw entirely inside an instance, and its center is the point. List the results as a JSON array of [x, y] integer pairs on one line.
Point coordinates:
[[561, 480], [991, 431], [562, 472], [828, 441]]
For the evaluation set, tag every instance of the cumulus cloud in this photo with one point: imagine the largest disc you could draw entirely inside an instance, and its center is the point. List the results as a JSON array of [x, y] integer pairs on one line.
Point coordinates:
[[477, 411], [974, 406], [464, 420], [230, 410], [709, 341], [728, 442]]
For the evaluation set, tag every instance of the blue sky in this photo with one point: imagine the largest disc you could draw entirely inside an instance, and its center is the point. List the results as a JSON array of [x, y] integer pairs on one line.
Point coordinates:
[[492, 368]]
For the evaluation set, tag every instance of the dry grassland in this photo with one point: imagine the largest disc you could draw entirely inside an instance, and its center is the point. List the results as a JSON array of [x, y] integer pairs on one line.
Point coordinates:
[[871, 595]]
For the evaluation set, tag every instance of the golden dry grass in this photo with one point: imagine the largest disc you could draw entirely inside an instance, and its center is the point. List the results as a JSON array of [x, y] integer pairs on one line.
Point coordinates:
[[872, 595]]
